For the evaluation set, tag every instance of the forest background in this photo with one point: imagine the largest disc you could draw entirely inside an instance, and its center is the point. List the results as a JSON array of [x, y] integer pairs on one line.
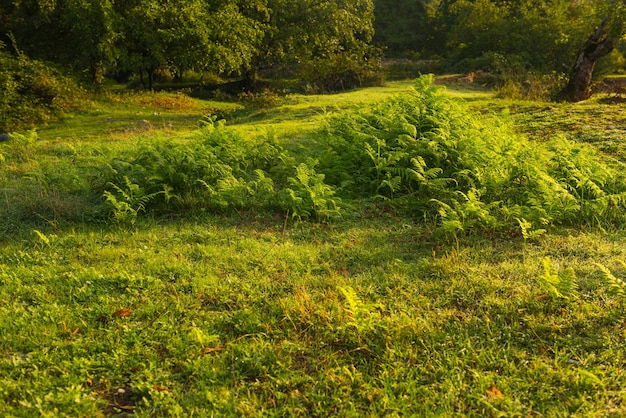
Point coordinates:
[[529, 47]]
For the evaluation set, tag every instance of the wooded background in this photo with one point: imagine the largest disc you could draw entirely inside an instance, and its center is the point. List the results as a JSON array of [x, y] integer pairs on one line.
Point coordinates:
[[327, 44]]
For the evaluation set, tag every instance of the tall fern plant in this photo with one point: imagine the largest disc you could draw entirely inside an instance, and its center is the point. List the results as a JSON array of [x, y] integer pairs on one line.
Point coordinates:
[[432, 155]]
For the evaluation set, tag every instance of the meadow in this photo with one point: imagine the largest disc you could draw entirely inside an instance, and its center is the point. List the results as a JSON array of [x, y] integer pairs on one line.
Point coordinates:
[[407, 250]]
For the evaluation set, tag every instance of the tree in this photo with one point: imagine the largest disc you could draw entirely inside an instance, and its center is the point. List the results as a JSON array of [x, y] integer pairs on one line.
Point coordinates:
[[599, 44], [329, 41], [401, 26], [176, 35], [499, 35], [227, 37], [79, 34]]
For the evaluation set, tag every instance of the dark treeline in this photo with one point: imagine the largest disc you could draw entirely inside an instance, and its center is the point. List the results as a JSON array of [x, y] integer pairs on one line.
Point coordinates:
[[237, 38], [328, 44]]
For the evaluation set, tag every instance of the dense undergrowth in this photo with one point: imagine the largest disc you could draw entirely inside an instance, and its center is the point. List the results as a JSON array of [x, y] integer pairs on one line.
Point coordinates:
[[34, 92], [420, 151], [226, 273]]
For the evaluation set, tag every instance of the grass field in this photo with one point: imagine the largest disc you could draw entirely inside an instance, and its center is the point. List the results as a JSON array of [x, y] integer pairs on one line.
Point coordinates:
[[258, 313]]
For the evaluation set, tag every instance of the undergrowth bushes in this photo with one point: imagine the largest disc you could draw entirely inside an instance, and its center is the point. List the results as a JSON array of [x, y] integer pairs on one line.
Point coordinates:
[[33, 93], [219, 171], [420, 151], [341, 72], [428, 154]]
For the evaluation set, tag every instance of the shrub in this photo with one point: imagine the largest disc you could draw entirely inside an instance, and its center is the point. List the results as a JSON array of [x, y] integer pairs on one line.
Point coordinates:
[[340, 72], [33, 93], [219, 171], [530, 86], [427, 153], [421, 151]]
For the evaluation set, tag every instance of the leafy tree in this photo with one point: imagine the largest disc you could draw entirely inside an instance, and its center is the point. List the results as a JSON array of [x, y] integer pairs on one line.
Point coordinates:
[[219, 36], [158, 35], [79, 34], [535, 35], [599, 44], [401, 26], [33, 93], [331, 41]]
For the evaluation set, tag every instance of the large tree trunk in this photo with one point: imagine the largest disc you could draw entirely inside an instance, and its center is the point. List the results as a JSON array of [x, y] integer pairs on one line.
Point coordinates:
[[598, 45]]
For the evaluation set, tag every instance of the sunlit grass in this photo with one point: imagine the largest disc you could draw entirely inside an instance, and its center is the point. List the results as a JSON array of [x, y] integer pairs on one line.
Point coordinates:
[[259, 314]]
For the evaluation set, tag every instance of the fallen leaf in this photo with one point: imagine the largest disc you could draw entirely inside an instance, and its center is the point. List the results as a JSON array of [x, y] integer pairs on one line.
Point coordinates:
[[89, 382], [123, 313], [210, 350], [494, 392], [76, 331], [160, 388], [124, 407]]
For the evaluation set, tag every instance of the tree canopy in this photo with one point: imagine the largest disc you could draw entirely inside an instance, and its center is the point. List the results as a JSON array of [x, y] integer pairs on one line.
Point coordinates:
[[225, 37], [331, 43]]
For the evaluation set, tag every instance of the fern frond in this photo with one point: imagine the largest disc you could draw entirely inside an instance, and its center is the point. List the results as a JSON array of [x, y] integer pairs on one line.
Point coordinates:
[[527, 229], [42, 237], [363, 316], [559, 284], [355, 304], [617, 285]]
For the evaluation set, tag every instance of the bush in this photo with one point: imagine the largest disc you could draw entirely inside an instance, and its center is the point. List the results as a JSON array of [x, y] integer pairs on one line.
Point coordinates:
[[220, 171], [530, 86], [421, 151], [340, 72], [431, 156], [33, 93]]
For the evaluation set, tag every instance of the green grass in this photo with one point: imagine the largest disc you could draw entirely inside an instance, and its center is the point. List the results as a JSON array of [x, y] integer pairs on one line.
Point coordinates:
[[258, 314], [123, 115], [596, 121]]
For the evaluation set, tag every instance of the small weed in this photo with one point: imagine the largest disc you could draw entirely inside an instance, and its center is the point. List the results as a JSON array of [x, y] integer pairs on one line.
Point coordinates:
[[128, 201], [362, 316], [616, 284], [528, 232], [560, 284]]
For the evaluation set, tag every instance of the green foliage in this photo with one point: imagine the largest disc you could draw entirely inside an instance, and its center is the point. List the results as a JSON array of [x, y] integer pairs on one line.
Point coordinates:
[[616, 284], [362, 316], [528, 232], [221, 170], [524, 85], [146, 40], [401, 26], [560, 284], [308, 195], [34, 93], [22, 145], [341, 71], [506, 37], [128, 200], [260, 100], [425, 152]]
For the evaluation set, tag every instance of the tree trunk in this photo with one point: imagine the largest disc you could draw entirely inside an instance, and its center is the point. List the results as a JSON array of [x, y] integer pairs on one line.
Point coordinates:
[[143, 83], [597, 45], [150, 72]]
